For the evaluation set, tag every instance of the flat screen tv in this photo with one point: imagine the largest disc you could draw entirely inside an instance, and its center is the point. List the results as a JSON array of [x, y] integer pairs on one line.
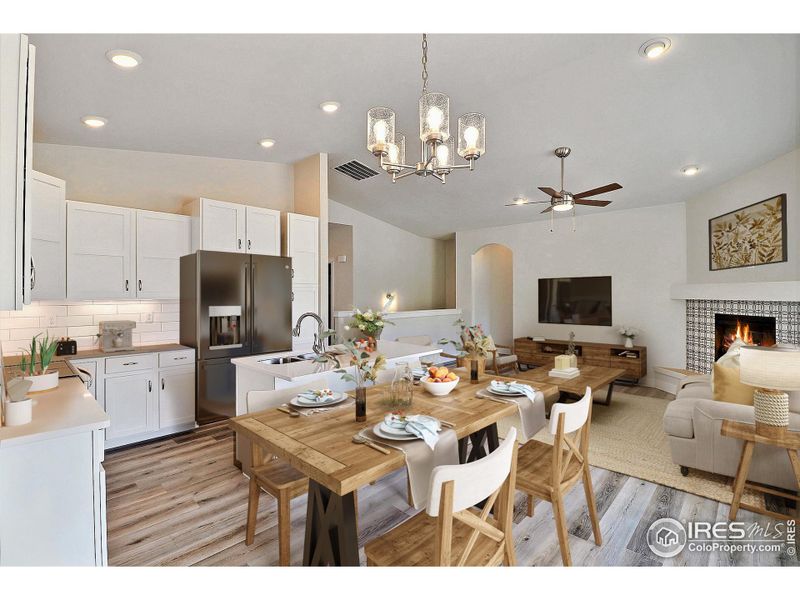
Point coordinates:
[[575, 300]]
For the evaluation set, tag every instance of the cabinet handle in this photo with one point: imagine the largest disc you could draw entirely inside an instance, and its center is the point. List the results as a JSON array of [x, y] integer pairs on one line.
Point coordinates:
[[248, 244], [292, 296], [149, 386], [33, 274], [162, 383], [292, 273], [239, 243], [140, 285], [128, 364], [126, 285]]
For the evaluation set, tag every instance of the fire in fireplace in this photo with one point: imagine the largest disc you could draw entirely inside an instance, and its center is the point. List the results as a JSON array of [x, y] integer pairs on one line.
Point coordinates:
[[757, 331]]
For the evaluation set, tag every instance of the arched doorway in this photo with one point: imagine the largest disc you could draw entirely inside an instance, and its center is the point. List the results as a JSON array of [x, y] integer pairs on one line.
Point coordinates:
[[493, 291]]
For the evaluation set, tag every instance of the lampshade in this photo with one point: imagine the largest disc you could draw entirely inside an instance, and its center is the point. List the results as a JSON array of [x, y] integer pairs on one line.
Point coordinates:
[[396, 153], [444, 156], [434, 117], [471, 135], [380, 129], [770, 368]]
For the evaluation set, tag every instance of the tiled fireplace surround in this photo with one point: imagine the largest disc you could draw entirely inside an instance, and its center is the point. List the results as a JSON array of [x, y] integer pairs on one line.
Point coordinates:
[[700, 325]]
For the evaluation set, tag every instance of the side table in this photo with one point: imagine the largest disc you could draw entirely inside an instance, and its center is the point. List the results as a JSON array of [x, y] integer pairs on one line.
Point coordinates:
[[746, 432]]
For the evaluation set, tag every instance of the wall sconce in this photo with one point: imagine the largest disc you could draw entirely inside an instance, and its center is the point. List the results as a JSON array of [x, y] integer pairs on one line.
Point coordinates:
[[390, 297]]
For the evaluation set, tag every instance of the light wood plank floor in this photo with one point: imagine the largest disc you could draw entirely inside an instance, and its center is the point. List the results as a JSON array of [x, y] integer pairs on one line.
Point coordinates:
[[180, 501]]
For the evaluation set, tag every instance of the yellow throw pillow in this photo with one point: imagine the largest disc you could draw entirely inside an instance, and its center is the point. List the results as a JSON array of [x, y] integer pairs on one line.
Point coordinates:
[[728, 388]]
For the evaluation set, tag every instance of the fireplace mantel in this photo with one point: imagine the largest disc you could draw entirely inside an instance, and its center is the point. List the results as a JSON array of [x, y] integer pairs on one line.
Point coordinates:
[[776, 291]]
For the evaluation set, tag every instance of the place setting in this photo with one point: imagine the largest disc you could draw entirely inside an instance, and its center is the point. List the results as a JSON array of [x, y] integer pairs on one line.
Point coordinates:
[[314, 401], [531, 411]]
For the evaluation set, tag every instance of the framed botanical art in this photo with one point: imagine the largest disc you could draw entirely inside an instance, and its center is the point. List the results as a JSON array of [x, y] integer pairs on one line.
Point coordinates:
[[749, 236]]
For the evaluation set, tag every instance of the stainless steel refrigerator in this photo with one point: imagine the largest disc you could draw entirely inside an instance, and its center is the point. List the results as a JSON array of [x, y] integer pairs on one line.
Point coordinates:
[[232, 305]]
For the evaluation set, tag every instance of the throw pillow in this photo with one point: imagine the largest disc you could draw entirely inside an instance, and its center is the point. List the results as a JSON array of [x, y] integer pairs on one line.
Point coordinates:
[[725, 383]]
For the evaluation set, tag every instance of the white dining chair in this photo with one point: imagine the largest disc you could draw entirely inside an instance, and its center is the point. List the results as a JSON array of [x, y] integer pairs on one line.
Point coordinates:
[[451, 531]]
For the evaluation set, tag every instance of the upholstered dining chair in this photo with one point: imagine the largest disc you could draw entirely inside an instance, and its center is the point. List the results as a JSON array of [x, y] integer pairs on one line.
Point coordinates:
[[549, 472], [273, 475], [451, 531], [501, 358]]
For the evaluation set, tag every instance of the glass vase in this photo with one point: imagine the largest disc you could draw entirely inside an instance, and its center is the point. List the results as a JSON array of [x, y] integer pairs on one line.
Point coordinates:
[[361, 404], [474, 374]]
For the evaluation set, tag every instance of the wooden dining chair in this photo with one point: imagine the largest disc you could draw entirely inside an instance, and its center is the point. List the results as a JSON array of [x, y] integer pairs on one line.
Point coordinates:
[[273, 475], [451, 531], [501, 358], [549, 472]]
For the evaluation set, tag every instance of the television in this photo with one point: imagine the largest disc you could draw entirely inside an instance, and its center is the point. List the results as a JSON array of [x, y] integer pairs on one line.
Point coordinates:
[[575, 300]]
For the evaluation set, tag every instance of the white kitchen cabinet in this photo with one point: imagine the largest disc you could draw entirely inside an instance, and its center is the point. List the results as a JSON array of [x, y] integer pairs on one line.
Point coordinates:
[[161, 240], [100, 251], [132, 405], [176, 397], [48, 210], [305, 298], [302, 246], [263, 231], [17, 69]]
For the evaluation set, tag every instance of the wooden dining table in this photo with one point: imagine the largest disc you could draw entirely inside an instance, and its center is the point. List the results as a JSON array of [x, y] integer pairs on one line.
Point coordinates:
[[321, 446]]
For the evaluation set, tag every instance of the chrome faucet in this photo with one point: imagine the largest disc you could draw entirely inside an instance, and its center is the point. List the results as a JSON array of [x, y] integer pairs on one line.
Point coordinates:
[[319, 340]]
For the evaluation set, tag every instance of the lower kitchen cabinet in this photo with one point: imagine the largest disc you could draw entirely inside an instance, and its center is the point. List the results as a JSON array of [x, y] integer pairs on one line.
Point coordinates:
[[131, 404], [176, 397]]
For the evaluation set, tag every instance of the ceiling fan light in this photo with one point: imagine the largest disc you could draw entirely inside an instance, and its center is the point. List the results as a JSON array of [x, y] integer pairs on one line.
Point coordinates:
[[563, 207], [380, 129], [471, 135], [434, 117]]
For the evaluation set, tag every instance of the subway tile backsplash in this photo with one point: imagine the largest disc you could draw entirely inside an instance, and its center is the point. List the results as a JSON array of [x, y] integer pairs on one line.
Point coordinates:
[[157, 322]]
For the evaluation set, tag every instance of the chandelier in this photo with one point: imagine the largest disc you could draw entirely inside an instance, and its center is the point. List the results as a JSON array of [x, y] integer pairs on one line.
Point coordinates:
[[437, 147]]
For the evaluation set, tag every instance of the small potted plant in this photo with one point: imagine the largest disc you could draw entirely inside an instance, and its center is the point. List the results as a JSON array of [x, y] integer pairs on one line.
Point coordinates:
[[368, 325], [628, 333], [35, 362], [473, 347]]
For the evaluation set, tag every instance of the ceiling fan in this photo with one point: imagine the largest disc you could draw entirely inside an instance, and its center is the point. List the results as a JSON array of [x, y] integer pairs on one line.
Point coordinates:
[[564, 200]]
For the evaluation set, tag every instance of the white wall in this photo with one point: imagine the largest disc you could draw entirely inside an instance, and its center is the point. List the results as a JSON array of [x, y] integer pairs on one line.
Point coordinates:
[[163, 182], [389, 259], [779, 176], [643, 250], [493, 292]]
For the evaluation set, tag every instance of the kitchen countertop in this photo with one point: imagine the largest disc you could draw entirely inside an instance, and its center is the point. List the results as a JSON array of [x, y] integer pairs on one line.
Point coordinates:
[[299, 370], [69, 408], [13, 359]]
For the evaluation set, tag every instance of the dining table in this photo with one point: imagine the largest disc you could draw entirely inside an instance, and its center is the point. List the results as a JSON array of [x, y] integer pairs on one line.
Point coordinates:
[[321, 446]]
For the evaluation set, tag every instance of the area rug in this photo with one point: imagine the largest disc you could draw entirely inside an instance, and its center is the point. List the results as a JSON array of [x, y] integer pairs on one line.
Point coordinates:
[[628, 437]]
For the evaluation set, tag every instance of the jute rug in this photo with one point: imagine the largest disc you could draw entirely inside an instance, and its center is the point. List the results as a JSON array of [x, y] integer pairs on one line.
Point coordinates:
[[628, 437]]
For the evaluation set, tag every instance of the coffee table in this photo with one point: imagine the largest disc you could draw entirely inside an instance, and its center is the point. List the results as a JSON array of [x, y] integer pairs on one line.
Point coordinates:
[[593, 377]]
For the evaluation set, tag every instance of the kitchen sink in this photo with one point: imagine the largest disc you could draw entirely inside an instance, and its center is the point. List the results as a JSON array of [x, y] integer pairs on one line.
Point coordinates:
[[286, 360]]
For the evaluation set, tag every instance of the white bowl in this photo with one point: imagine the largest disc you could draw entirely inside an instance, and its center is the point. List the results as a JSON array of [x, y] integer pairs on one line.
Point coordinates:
[[439, 389]]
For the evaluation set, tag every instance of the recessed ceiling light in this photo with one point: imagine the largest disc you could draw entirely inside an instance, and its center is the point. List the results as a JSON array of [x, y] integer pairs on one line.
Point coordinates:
[[690, 170], [655, 47], [124, 59], [94, 121], [330, 106], [266, 143]]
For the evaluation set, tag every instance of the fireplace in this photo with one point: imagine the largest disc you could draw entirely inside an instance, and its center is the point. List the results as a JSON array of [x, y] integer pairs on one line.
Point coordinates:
[[752, 330]]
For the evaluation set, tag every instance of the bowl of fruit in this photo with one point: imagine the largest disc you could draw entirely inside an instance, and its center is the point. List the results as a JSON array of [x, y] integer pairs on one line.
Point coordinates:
[[439, 381]]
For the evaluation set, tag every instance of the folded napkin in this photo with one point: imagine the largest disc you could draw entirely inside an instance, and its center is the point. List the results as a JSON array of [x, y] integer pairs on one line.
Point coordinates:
[[316, 396], [419, 372], [513, 386], [422, 426], [530, 410]]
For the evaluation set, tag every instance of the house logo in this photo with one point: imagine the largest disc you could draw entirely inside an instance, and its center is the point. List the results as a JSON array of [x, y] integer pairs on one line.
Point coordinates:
[[666, 537]]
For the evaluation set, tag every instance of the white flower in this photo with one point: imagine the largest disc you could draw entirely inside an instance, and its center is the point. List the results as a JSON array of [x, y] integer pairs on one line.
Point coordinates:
[[347, 327], [361, 326], [379, 323]]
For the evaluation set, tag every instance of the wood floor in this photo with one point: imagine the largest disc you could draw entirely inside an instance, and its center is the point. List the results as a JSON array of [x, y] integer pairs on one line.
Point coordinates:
[[180, 501]]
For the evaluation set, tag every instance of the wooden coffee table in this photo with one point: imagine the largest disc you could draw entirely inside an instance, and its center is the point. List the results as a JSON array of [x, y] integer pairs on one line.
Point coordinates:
[[593, 377]]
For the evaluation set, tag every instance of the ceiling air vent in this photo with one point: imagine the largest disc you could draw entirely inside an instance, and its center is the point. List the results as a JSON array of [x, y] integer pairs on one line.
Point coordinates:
[[356, 170]]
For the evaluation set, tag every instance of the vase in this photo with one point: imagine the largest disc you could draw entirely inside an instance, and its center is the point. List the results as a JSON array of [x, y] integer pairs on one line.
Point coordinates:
[[628, 342], [477, 367], [361, 404], [18, 413]]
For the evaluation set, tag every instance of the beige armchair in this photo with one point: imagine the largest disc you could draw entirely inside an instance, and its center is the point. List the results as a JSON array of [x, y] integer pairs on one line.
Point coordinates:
[[500, 359]]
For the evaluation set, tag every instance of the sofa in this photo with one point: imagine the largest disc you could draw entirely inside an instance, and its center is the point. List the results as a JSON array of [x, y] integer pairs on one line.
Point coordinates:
[[693, 422]]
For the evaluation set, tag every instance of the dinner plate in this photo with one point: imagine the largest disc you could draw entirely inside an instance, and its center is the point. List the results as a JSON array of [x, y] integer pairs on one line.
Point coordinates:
[[392, 435], [491, 390], [305, 403]]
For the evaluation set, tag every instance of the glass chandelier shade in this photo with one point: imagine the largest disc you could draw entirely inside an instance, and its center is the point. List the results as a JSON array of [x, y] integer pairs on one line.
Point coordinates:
[[471, 135], [380, 130], [434, 117], [396, 154], [445, 153]]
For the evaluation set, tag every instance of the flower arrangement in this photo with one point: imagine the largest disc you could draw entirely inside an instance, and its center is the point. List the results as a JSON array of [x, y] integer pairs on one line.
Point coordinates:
[[369, 322], [43, 350], [571, 350], [473, 342], [365, 369], [628, 332]]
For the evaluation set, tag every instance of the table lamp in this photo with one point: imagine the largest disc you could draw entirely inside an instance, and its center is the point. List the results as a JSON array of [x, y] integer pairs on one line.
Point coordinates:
[[772, 371]]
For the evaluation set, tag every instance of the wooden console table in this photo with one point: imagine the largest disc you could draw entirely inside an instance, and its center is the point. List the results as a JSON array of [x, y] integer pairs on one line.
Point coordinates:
[[543, 353]]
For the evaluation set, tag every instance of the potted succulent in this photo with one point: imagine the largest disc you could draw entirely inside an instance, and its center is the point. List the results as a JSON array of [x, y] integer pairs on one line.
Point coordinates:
[[35, 362], [368, 325], [473, 347]]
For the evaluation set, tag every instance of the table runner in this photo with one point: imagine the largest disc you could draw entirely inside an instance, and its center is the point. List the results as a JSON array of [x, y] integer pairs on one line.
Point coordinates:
[[531, 413], [421, 460]]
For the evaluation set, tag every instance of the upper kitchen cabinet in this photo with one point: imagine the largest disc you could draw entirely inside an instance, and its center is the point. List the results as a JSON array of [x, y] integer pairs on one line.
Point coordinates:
[[100, 251], [17, 60], [161, 240], [231, 227], [302, 245], [263, 231], [48, 210]]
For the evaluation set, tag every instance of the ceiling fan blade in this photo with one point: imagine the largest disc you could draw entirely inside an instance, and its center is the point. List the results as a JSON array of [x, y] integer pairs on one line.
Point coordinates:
[[548, 209], [601, 190], [550, 192], [593, 202]]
